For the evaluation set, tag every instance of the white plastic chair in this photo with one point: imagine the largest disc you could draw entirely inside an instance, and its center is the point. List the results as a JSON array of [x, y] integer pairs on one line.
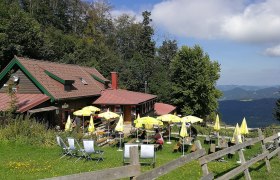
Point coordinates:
[[148, 152], [126, 154], [89, 150], [64, 148]]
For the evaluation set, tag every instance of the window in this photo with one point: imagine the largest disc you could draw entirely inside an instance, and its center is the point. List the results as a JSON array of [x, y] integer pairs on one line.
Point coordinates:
[[84, 81]]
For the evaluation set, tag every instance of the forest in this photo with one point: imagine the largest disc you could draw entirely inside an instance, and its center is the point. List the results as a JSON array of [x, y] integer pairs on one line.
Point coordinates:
[[83, 33]]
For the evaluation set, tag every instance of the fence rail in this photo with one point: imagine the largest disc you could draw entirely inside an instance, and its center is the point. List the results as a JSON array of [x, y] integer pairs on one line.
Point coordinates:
[[244, 167], [134, 169]]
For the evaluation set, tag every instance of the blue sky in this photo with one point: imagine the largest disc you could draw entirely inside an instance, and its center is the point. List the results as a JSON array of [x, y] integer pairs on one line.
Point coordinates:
[[242, 35]]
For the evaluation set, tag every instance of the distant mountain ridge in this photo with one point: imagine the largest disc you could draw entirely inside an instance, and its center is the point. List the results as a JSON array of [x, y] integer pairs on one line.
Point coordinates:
[[235, 92]]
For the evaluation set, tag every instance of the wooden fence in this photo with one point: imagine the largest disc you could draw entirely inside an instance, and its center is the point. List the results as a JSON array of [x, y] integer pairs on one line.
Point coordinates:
[[134, 169], [244, 167]]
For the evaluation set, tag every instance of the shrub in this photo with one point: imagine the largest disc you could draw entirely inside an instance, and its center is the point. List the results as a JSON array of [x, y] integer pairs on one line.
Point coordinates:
[[26, 130]]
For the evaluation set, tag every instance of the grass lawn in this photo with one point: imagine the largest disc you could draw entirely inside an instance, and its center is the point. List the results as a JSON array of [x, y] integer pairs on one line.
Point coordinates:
[[20, 161]]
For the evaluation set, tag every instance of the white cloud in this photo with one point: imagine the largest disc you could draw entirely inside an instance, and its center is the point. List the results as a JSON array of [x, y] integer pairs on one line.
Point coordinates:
[[117, 13], [237, 20], [273, 51]]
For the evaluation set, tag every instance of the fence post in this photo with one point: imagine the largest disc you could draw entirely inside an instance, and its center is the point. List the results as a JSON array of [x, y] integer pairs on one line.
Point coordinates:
[[276, 142], [267, 163], [134, 157], [204, 167], [242, 159]]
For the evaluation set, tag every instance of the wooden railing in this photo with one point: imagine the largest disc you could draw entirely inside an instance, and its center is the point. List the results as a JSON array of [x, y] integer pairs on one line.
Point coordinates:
[[159, 171], [244, 167], [134, 169]]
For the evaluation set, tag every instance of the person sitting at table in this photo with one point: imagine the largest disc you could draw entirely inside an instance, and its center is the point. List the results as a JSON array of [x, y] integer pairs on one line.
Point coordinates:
[[158, 137], [143, 135]]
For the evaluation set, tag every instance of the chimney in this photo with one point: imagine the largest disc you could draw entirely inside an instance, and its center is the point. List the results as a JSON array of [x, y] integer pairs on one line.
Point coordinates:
[[114, 76]]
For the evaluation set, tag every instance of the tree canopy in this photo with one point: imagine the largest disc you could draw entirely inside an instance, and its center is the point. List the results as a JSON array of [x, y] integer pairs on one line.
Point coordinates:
[[83, 33], [193, 77]]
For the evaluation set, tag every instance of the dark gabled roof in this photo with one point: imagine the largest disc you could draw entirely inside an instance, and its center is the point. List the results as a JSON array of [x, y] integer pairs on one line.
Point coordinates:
[[51, 78], [123, 97]]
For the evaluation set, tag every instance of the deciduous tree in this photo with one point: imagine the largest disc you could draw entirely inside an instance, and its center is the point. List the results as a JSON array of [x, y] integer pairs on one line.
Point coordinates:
[[194, 78]]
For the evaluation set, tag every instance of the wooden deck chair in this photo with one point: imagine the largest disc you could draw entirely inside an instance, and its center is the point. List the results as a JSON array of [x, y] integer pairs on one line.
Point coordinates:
[[126, 154], [147, 151], [89, 150], [64, 148]]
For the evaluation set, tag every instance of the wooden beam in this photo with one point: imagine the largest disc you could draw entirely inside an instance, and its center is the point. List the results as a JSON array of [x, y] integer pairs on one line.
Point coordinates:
[[243, 161], [266, 159], [221, 153], [159, 171], [208, 177], [273, 153], [271, 138], [108, 174], [241, 168]]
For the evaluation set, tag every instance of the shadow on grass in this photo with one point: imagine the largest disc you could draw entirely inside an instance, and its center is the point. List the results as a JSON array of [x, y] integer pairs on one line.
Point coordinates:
[[241, 175]]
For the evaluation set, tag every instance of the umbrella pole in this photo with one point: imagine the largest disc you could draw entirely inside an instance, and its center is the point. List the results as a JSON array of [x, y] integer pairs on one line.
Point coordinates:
[[169, 142], [218, 139], [83, 125], [120, 149], [137, 140], [108, 128], [183, 147]]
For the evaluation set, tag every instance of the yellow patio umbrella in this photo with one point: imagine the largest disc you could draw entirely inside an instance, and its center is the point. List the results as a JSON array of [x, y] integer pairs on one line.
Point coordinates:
[[169, 118], [183, 134], [119, 128], [138, 125], [191, 119], [68, 126], [91, 108], [217, 126], [149, 122], [243, 128], [236, 133], [91, 128], [83, 112], [108, 115]]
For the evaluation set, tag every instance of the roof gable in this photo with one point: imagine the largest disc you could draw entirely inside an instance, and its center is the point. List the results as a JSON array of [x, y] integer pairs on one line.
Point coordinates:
[[52, 77], [14, 62]]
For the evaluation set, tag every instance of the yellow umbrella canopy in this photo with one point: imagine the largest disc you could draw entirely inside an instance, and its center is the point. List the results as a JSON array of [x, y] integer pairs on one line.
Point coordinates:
[[137, 122], [68, 126], [183, 132], [169, 118], [119, 126], [91, 108], [82, 112], [91, 128], [149, 121], [243, 128], [108, 115], [191, 119], [236, 133], [217, 123]]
